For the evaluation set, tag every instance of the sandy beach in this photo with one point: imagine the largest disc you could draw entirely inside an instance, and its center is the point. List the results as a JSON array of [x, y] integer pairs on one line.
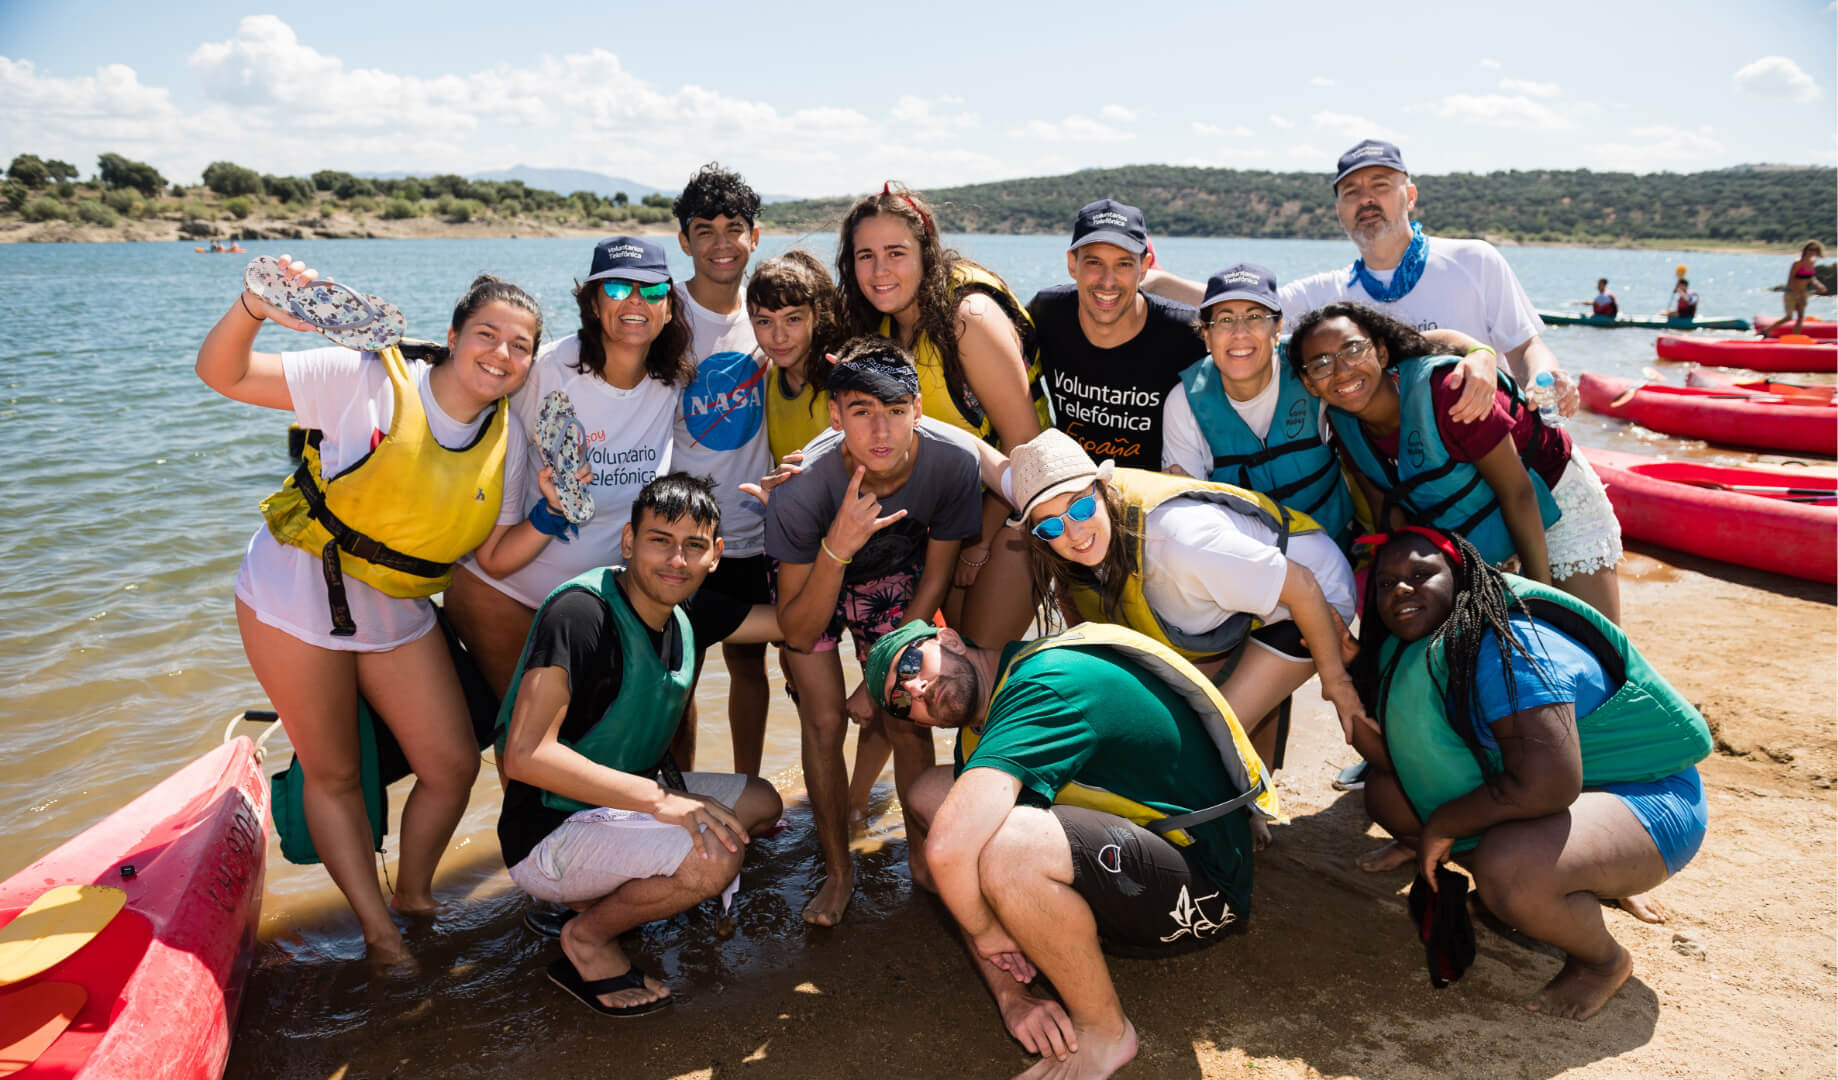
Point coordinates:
[[1328, 980]]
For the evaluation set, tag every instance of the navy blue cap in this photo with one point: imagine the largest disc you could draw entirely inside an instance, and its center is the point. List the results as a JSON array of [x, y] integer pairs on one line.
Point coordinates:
[[1367, 154], [1108, 221], [629, 258], [1245, 281]]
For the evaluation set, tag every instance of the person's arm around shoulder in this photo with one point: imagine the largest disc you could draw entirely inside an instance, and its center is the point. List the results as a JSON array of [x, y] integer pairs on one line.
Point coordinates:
[[995, 369], [1159, 282], [1476, 375], [1542, 762]]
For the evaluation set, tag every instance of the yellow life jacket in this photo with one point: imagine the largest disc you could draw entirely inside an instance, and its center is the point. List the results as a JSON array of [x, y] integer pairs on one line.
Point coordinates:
[[1142, 491], [793, 421], [959, 407], [1242, 765], [398, 517]]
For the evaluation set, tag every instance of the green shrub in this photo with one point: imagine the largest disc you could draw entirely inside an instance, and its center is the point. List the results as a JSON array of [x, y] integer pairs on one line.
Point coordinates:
[[239, 207], [227, 178], [15, 194], [444, 205], [194, 210], [510, 208], [399, 209], [66, 190], [465, 210], [410, 189], [351, 187], [91, 212], [361, 204], [650, 215], [29, 170], [121, 201], [119, 172], [45, 208]]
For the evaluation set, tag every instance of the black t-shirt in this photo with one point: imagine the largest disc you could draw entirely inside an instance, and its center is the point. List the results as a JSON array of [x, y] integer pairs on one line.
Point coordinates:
[[577, 634], [1111, 400]]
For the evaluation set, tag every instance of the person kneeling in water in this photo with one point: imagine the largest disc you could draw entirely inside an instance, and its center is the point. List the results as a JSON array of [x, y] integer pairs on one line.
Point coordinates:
[[1083, 813], [1557, 764], [596, 815]]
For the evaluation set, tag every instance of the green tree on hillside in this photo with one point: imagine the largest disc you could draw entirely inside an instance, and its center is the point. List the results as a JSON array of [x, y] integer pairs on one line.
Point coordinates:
[[229, 179], [28, 170], [116, 171]]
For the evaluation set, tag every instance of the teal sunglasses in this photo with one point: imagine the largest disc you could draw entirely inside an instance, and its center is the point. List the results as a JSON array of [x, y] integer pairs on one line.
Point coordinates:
[[617, 290], [1083, 508]]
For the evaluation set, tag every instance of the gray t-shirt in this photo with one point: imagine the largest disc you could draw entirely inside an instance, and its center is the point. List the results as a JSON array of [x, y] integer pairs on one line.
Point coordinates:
[[942, 499]]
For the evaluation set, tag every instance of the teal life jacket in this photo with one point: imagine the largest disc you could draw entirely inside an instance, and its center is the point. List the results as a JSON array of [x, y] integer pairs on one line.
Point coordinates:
[[1429, 485], [636, 729], [1645, 731], [1291, 464]]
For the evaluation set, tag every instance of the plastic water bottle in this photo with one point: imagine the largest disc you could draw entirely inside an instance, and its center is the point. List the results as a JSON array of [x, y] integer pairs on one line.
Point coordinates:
[[1544, 395]]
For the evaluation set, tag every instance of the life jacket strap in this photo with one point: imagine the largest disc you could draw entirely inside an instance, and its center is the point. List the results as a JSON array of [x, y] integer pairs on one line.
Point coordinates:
[[1166, 825], [357, 544]]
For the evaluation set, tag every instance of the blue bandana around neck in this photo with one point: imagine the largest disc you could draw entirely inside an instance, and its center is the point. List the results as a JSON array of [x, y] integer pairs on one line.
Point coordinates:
[[1404, 279]]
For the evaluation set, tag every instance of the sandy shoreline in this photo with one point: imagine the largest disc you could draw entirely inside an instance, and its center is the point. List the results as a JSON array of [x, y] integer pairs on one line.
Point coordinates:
[[1327, 981], [14, 230]]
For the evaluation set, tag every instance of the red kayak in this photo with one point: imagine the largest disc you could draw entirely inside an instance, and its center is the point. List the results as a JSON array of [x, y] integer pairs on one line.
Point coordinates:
[[1712, 380], [1763, 355], [1734, 417], [162, 979], [1771, 519], [1818, 329]]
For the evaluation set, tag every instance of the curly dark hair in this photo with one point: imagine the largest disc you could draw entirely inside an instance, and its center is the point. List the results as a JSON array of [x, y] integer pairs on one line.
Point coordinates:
[[1482, 602], [794, 278], [1400, 341], [713, 192], [937, 308], [667, 360]]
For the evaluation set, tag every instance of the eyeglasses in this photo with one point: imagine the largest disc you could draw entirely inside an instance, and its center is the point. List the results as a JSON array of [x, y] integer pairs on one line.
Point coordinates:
[[1257, 322], [899, 702], [1083, 508], [617, 290], [1323, 363]]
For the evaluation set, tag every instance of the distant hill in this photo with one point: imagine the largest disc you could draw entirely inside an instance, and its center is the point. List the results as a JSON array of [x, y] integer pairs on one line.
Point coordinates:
[[1747, 204], [568, 181]]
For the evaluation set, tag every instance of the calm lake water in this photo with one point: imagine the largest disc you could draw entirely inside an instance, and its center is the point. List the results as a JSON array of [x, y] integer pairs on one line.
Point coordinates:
[[128, 491]]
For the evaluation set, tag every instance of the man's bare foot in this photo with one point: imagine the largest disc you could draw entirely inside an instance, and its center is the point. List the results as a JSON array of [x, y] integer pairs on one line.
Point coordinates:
[[1260, 833], [606, 960], [1389, 857], [1096, 1057], [390, 957], [1644, 907], [1580, 990], [858, 820], [826, 908]]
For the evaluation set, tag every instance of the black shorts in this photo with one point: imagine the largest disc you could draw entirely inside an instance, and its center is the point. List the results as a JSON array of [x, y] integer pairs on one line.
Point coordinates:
[[1147, 899], [1284, 637], [747, 580]]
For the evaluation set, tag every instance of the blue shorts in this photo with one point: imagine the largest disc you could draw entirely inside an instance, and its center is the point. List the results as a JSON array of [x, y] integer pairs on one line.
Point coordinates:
[[1673, 811]]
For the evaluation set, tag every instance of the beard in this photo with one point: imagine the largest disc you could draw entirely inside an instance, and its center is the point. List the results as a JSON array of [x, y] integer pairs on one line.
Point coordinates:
[[1372, 232], [953, 695]]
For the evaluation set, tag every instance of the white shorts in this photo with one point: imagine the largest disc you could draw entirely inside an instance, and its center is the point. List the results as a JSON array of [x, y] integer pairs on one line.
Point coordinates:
[[597, 850], [1588, 536]]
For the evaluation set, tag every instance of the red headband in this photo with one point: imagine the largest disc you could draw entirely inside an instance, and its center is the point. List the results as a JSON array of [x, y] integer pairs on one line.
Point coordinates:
[[924, 218], [1435, 537]]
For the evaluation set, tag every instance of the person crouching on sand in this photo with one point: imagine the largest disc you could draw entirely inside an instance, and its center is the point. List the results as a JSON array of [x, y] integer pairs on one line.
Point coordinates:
[[1557, 766], [596, 815], [1085, 815]]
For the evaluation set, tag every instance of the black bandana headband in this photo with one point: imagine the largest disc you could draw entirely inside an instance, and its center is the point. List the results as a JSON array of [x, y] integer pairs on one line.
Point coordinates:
[[883, 376]]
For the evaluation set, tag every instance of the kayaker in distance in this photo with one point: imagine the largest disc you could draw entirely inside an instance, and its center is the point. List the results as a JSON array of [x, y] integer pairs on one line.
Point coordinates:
[[1684, 302], [1604, 303], [1802, 279]]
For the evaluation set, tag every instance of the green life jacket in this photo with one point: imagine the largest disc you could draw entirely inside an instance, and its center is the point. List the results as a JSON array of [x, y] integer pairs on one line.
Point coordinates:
[[1243, 767], [1645, 731], [636, 728]]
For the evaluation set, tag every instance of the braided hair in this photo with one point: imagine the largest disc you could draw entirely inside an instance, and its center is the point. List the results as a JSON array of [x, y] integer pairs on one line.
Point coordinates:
[[1482, 601]]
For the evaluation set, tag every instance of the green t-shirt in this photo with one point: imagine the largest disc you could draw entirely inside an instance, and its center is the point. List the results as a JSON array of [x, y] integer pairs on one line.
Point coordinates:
[[1088, 714]]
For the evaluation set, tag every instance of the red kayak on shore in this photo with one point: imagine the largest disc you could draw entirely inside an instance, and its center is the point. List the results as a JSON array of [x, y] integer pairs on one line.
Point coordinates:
[[1771, 519], [1817, 329], [154, 992], [1712, 380], [1733, 417], [1763, 355]]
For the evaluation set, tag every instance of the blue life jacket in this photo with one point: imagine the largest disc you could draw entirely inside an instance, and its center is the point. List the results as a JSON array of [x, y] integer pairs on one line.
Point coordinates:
[[1429, 485], [1291, 464]]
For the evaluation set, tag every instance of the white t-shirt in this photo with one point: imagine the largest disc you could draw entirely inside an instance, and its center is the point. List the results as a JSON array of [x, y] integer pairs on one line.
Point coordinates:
[[628, 440], [347, 396], [1203, 562], [721, 421], [1466, 285], [1184, 443]]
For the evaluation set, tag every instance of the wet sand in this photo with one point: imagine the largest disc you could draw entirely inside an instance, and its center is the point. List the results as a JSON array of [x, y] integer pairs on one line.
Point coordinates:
[[1328, 979]]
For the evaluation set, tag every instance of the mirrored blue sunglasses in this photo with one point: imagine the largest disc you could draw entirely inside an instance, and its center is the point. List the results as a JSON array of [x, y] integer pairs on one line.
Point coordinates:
[[1083, 508], [617, 290]]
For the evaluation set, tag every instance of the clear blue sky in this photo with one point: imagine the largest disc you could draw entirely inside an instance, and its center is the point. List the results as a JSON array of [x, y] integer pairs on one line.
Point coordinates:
[[826, 98]]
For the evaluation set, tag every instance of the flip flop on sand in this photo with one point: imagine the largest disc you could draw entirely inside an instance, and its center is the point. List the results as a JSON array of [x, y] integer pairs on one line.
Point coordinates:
[[563, 444], [344, 315], [563, 974]]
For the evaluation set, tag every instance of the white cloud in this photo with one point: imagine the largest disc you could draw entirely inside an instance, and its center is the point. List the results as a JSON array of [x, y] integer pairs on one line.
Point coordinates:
[[1321, 80], [1660, 146], [1072, 129], [1117, 114], [1777, 78], [1529, 88], [1351, 127], [1281, 121], [931, 120], [61, 117], [1214, 131], [1305, 152], [1490, 64], [1496, 110]]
